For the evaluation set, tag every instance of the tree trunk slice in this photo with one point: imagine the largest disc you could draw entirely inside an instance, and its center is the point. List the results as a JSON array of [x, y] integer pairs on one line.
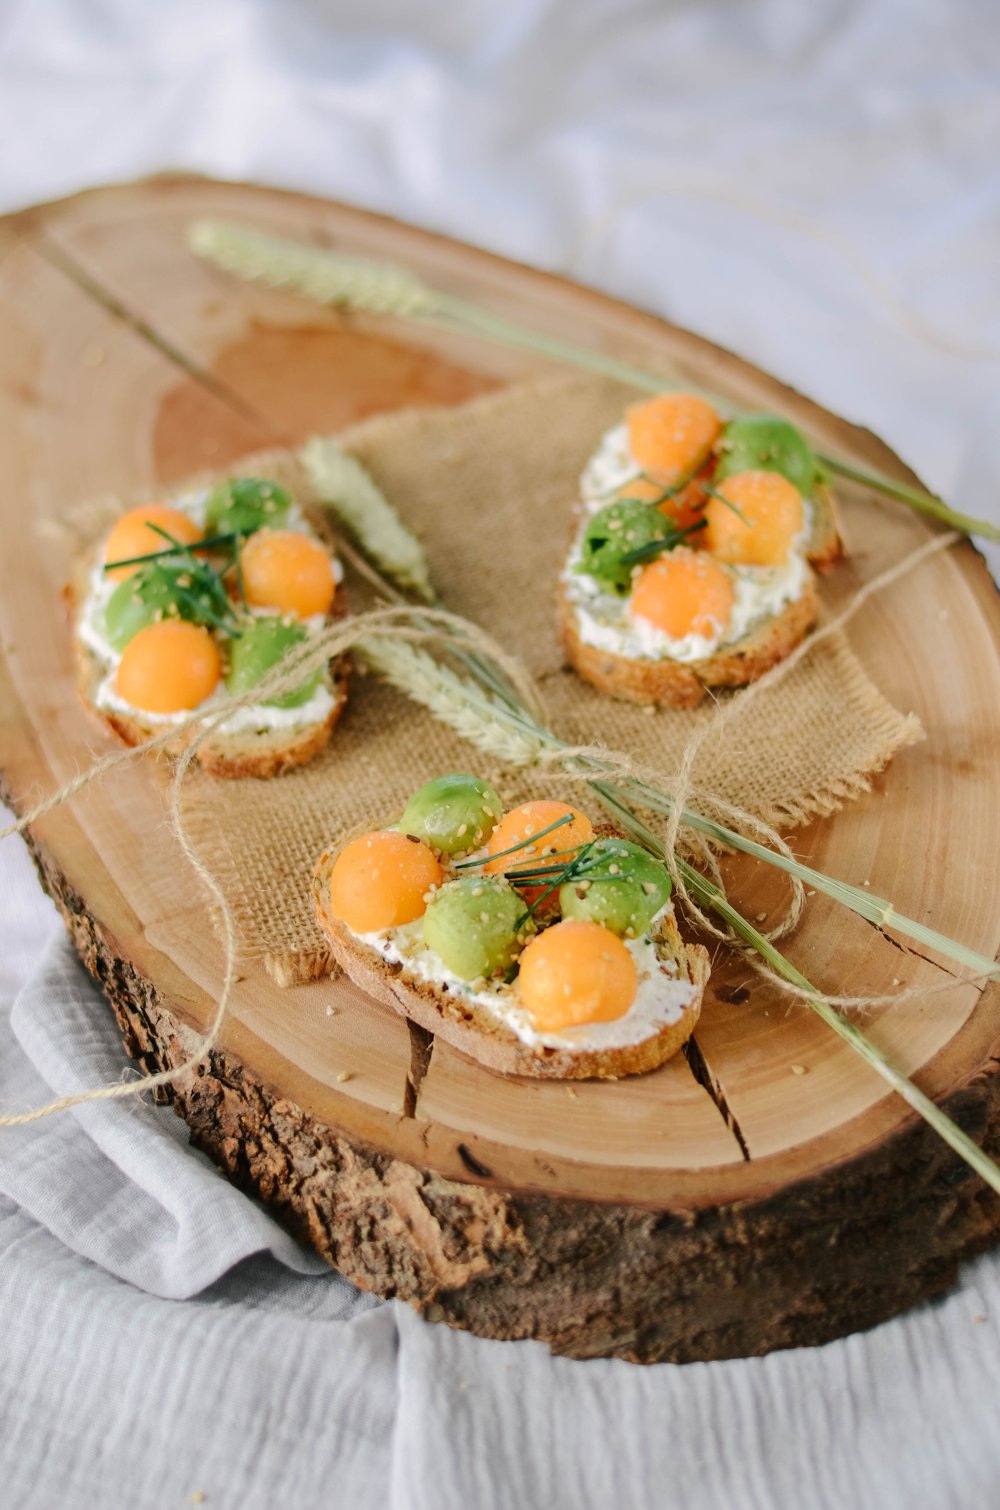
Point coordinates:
[[630, 1219]]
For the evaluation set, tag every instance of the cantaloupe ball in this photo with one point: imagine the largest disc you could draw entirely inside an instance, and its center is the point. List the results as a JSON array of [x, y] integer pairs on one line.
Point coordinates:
[[555, 848], [131, 536], [671, 435], [574, 973], [287, 571], [168, 667], [758, 530], [684, 592], [382, 880]]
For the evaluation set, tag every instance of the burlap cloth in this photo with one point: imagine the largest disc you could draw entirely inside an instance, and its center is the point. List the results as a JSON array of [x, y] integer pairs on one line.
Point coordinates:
[[489, 487]]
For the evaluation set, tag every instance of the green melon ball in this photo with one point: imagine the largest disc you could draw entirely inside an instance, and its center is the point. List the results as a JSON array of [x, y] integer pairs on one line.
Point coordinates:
[[176, 587], [244, 504], [140, 600], [262, 643], [453, 814], [623, 891], [761, 442], [471, 924], [612, 533]]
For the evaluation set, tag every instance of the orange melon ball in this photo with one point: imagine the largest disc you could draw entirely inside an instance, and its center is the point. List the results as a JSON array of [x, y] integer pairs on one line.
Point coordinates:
[[132, 536], [772, 515], [576, 972], [672, 434], [168, 667], [684, 592], [382, 880], [531, 818], [288, 571]]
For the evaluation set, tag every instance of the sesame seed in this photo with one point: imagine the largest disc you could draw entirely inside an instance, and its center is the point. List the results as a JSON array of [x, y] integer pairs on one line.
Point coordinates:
[[649, 887], [344, 1075], [799, 1069]]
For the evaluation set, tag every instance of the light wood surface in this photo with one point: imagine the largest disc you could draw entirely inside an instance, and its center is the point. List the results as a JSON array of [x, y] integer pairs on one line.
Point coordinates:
[[124, 361]]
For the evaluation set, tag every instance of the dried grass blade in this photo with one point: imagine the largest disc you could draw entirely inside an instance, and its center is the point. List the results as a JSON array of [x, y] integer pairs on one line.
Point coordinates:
[[359, 503]]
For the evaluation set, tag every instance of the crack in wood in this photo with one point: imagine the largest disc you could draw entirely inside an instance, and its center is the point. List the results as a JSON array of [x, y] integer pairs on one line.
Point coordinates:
[[698, 1065], [421, 1049], [472, 1164], [909, 949], [63, 262]]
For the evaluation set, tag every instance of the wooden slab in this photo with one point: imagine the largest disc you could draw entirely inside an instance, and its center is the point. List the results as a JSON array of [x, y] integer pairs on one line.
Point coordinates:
[[618, 1218]]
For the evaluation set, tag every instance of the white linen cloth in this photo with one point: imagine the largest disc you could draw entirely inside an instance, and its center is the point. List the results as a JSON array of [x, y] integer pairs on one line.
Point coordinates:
[[815, 186]]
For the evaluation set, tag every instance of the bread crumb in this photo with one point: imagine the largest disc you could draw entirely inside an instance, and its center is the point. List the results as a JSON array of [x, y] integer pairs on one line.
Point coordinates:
[[344, 1075], [980, 1319]]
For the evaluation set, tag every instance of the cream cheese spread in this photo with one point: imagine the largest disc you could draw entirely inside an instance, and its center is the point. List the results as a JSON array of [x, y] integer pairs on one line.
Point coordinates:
[[661, 998]]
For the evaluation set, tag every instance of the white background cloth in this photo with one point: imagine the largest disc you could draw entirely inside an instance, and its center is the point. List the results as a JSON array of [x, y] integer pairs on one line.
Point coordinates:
[[816, 186]]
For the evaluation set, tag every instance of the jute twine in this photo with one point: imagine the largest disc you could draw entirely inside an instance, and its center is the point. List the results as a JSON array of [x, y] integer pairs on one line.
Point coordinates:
[[438, 628]]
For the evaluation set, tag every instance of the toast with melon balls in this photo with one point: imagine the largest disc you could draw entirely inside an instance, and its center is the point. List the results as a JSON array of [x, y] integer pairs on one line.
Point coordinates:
[[528, 940], [183, 605], [690, 564]]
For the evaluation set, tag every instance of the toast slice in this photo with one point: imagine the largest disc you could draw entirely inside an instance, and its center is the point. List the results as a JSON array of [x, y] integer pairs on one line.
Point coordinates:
[[480, 1034], [262, 753], [683, 684]]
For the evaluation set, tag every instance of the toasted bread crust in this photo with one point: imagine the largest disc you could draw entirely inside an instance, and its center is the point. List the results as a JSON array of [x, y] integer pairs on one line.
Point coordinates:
[[262, 754], [479, 1035], [825, 544], [683, 684]]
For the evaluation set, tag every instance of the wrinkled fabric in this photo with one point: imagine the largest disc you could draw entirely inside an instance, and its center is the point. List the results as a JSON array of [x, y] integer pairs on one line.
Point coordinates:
[[817, 188]]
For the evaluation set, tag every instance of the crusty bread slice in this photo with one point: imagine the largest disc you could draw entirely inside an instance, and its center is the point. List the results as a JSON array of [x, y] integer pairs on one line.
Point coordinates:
[[478, 1035], [261, 753], [683, 684]]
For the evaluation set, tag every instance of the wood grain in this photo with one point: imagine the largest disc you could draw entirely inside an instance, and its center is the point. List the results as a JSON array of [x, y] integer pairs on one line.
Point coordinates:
[[125, 362]]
